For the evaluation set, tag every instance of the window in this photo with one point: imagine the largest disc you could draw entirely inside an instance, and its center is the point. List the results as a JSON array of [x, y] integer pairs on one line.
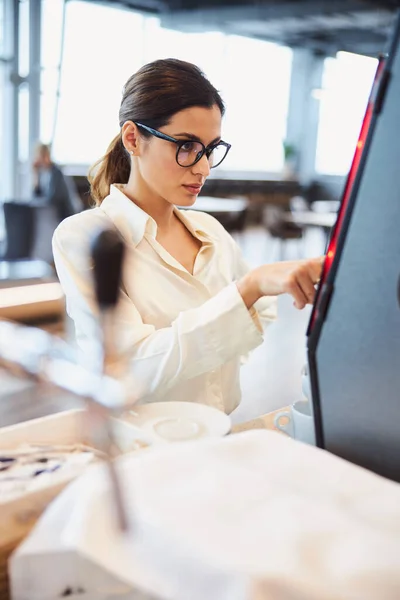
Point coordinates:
[[23, 93], [2, 89], [2, 8], [2, 63], [256, 91], [52, 29], [207, 50], [2, 105], [104, 46], [346, 85]]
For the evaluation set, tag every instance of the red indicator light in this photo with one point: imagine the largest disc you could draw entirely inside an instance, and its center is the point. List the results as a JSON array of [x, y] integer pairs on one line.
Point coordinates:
[[330, 255]]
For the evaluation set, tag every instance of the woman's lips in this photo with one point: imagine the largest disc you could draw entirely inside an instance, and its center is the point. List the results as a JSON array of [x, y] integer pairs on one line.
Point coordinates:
[[193, 189]]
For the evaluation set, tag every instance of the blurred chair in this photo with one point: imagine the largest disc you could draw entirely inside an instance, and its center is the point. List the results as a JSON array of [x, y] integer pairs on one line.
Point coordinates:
[[232, 221], [19, 222], [17, 262], [282, 230]]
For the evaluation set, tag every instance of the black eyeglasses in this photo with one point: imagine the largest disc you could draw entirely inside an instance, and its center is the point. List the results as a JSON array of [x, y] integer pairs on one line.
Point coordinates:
[[189, 152]]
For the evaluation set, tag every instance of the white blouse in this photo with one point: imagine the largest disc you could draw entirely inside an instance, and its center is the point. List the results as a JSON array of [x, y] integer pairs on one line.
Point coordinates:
[[183, 335]]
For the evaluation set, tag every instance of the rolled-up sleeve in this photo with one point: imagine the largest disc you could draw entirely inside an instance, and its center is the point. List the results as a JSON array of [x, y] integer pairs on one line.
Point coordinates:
[[264, 311]]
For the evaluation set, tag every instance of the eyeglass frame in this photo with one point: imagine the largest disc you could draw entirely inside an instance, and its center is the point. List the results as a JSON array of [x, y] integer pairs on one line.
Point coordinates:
[[207, 150]]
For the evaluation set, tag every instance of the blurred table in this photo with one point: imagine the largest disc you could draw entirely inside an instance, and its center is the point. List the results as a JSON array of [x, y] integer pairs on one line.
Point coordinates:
[[261, 184], [219, 205], [325, 206], [310, 218], [230, 212], [18, 272]]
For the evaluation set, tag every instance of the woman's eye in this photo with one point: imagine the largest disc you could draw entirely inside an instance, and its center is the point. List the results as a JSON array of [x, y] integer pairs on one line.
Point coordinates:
[[188, 146]]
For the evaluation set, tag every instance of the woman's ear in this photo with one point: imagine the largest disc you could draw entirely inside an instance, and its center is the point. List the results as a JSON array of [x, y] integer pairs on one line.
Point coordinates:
[[131, 138]]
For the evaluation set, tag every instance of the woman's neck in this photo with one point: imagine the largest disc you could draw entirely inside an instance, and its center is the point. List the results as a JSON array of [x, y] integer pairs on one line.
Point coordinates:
[[156, 207]]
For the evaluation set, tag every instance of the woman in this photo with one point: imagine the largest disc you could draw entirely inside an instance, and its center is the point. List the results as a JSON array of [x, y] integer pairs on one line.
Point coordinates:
[[51, 185], [189, 307]]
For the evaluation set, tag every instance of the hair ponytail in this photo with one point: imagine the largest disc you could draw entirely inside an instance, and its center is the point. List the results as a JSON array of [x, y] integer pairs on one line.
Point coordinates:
[[113, 167]]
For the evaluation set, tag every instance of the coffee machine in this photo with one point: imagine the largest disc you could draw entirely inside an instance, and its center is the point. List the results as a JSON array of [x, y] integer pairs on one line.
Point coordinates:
[[354, 328]]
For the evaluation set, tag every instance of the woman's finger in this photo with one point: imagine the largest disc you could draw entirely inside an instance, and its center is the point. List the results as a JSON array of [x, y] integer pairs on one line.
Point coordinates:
[[315, 268], [306, 284], [294, 289]]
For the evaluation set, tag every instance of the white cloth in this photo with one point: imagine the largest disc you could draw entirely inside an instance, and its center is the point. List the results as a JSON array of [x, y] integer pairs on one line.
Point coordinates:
[[254, 516], [184, 334]]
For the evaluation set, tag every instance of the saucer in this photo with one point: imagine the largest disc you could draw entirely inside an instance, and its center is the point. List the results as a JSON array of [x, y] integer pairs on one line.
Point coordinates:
[[167, 422]]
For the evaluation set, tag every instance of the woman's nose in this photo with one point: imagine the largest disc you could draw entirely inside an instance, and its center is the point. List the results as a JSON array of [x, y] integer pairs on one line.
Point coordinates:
[[202, 166]]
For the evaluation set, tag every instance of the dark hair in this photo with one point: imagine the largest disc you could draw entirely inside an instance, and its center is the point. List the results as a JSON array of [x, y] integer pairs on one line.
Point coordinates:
[[151, 96]]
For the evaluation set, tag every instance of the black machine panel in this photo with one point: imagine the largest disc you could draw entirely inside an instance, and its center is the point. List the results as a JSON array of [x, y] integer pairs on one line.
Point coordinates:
[[354, 330]]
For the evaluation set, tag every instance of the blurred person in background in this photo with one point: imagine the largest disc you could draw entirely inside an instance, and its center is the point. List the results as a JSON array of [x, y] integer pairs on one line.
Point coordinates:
[[51, 185], [189, 305]]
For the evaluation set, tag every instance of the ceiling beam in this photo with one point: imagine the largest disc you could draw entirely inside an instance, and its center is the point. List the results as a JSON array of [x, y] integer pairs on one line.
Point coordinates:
[[329, 47], [390, 4], [220, 14], [324, 27], [150, 6]]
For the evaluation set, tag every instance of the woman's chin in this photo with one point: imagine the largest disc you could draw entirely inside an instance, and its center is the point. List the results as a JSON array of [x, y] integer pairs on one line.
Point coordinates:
[[187, 199]]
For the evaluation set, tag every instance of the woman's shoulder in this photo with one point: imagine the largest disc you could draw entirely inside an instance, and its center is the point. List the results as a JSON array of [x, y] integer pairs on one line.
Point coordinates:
[[83, 223], [73, 236]]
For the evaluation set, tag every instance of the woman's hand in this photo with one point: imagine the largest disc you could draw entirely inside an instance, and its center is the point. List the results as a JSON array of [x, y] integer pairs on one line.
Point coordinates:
[[297, 278]]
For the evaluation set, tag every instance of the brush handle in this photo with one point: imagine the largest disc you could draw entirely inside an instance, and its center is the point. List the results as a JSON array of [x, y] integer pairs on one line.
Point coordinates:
[[107, 251]]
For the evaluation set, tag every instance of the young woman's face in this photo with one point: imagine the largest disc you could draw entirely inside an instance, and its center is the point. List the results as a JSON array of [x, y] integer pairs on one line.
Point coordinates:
[[157, 158]]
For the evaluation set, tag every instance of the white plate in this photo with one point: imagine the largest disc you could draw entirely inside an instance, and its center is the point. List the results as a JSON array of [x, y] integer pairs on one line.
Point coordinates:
[[167, 422]]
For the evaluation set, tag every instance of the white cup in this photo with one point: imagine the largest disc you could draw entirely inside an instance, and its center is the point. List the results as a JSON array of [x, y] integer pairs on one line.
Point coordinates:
[[300, 422]]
